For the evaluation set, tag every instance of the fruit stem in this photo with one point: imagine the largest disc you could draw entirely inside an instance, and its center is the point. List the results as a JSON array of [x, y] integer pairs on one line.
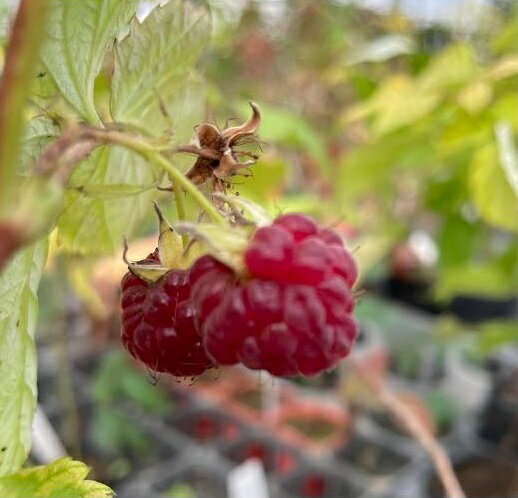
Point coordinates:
[[148, 152], [180, 208]]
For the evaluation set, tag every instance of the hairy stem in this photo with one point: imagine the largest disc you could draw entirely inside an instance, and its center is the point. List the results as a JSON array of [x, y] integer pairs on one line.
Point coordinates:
[[180, 208], [22, 52]]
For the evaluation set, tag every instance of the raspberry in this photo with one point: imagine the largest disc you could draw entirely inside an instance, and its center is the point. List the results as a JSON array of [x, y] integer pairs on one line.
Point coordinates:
[[158, 325], [292, 313]]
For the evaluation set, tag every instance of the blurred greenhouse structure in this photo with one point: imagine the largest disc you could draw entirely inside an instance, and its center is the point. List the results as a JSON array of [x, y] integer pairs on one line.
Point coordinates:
[[395, 122]]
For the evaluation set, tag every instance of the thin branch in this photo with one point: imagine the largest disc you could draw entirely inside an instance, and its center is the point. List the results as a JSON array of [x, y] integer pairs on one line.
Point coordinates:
[[413, 425]]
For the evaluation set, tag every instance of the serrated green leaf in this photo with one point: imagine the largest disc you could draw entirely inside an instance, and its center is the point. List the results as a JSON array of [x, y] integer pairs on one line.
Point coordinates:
[[79, 35], [95, 226], [493, 195], [154, 61], [18, 312], [63, 478]]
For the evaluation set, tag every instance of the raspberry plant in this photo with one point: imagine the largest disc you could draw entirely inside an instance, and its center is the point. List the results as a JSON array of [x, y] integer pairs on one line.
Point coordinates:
[[95, 104]]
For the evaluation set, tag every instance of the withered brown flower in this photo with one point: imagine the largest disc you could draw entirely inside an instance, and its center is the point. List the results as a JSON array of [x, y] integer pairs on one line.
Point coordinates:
[[218, 159]]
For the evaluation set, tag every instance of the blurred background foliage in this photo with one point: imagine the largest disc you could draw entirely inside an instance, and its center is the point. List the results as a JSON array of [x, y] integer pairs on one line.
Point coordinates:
[[397, 131]]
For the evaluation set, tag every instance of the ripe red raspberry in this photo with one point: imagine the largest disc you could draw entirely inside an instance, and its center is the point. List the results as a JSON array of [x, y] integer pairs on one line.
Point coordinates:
[[158, 326], [292, 313]]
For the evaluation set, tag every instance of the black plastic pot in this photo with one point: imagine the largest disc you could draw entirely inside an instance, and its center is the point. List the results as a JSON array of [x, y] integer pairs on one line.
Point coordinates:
[[474, 309], [480, 477], [498, 422]]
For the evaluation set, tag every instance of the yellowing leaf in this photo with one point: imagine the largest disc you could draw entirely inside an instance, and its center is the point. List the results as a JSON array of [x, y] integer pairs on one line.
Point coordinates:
[[397, 102], [170, 245], [401, 102], [490, 190], [504, 68], [63, 478], [475, 97], [18, 312], [454, 66]]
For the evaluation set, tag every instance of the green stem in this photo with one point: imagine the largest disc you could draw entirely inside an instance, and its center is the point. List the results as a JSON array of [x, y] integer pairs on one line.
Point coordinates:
[[180, 208], [177, 177], [21, 56]]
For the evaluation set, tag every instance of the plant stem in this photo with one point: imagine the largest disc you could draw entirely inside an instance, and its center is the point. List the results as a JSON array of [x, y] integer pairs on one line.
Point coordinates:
[[22, 52], [413, 425], [150, 154], [180, 208]]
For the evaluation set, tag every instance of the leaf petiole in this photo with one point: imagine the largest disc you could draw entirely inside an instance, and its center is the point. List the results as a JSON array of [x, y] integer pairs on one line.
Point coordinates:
[[149, 153]]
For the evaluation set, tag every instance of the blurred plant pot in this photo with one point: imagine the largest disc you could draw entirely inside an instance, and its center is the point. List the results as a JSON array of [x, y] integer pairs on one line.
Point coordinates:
[[465, 380], [371, 456], [434, 409], [207, 425], [328, 380], [315, 482], [312, 426], [251, 399], [212, 384], [474, 309], [277, 458], [498, 419], [480, 476]]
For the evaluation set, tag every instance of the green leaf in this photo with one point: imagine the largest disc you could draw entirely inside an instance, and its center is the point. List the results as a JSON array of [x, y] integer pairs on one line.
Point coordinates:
[[453, 67], [455, 239], [154, 61], [490, 190], [79, 35], [284, 127], [118, 380], [485, 280], [63, 478], [18, 312], [113, 191], [494, 334], [398, 102], [92, 225], [38, 134]]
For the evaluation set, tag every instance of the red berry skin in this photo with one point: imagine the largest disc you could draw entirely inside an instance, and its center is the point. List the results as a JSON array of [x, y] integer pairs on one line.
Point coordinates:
[[292, 315], [159, 325]]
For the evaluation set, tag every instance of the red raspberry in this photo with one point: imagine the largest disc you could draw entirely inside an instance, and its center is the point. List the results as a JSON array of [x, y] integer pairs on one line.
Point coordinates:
[[293, 314], [158, 326]]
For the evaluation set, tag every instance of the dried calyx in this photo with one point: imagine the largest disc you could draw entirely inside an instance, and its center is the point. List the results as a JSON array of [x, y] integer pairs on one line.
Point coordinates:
[[218, 159]]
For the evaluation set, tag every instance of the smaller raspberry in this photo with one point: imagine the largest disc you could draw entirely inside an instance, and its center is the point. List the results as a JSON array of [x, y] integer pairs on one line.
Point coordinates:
[[158, 323]]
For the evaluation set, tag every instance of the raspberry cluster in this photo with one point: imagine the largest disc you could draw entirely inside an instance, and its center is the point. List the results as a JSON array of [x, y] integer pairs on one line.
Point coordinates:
[[158, 326], [288, 313], [292, 313]]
